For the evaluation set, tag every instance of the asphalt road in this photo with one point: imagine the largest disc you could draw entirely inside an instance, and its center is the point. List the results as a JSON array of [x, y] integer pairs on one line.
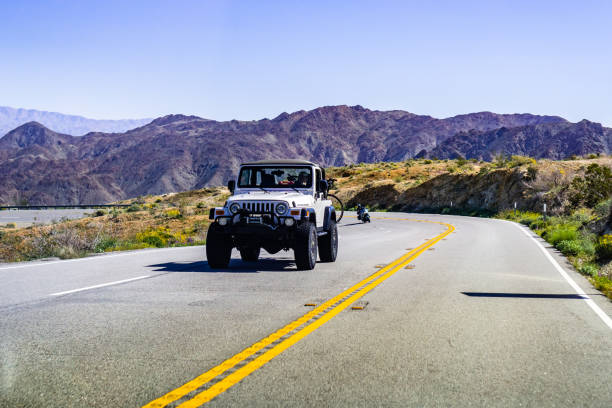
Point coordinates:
[[24, 218], [477, 314]]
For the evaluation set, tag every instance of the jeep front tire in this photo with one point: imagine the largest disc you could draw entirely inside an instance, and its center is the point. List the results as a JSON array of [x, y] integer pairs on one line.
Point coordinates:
[[218, 247], [305, 246]]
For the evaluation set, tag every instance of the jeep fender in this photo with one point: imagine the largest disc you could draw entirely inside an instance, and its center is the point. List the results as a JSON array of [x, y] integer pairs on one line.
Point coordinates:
[[309, 214], [330, 214]]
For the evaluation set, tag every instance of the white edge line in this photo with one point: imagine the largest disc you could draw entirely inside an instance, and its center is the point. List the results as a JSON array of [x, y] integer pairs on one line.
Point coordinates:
[[99, 286], [98, 257], [606, 319]]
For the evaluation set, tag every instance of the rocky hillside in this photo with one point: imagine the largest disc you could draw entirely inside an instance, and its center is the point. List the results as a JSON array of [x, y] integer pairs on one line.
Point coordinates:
[[179, 153], [549, 140], [464, 186], [10, 118]]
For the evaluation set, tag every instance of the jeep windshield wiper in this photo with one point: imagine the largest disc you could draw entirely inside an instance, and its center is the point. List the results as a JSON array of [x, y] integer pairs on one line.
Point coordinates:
[[263, 189]]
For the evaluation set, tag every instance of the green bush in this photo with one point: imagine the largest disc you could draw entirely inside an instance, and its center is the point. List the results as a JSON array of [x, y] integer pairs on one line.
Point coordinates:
[[588, 269], [173, 213], [572, 248], [561, 233], [99, 213], [516, 161], [581, 216], [603, 209], [154, 240], [537, 224], [134, 208], [105, 244], [593, 188], [604, 247], [532, 173]]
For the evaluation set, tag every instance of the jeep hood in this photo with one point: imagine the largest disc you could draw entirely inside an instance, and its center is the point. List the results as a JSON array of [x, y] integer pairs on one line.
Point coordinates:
[[288, 196]]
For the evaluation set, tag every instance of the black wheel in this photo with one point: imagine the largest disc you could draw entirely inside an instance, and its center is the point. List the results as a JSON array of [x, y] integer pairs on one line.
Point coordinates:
[[250, 254], [218, 247], [305, 248], [328, 244], [338, 205]]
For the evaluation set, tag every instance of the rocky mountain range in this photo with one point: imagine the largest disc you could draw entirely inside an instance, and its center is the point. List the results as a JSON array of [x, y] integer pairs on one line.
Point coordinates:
[[552, 141], [10, 118], [177, 152]]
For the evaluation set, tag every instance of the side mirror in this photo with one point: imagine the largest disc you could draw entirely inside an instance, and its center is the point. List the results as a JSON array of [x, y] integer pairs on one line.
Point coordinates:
[[323, 186], [231, 185]]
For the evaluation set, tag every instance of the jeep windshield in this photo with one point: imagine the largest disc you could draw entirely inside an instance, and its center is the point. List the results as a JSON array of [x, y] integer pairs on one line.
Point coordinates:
[[275, 177]]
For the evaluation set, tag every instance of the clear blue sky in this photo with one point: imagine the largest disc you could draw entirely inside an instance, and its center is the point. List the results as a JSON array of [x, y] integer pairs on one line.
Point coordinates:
[[254, 59]]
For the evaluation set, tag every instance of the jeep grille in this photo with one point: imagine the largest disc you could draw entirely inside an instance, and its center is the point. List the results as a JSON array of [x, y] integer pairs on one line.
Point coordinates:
[[258, 207]]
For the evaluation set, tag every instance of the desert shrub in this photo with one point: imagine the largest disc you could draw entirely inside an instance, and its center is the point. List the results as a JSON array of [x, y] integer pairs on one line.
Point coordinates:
[[427, 162], [134, 208], [201, 205], [604, 284], [604, 247], [484, 170], [516, 161], [603, 209], [461, 161], [593, 188], [99, 213], [63, 242], [561, 233], [172, 213], [500, 161], [523, 217], [159, 200], [153, 240], [156, 237], [105, 244], [581, 216], [569, 247], [532, 173], [537, 224], [10, 225], [588, 269]]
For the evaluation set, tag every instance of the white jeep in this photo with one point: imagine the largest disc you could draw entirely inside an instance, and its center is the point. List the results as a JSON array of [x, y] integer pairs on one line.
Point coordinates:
[[275, 204]]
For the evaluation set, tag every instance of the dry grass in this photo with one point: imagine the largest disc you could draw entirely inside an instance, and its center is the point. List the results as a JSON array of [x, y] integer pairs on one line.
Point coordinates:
[[166, 220]]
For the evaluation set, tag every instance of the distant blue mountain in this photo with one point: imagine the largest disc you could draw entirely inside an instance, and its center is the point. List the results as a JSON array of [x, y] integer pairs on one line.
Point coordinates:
[[11, 118]]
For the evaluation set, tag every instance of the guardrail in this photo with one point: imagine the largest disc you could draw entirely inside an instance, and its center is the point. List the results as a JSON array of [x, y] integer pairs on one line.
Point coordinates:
[[63, 207]]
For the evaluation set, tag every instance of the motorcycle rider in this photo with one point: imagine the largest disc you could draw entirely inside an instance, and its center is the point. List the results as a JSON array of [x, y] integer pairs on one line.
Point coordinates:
[[360, 209]]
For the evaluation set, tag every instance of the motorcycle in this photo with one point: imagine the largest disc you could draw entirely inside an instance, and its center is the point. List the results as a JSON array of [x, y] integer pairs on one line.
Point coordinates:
[[363, 215]]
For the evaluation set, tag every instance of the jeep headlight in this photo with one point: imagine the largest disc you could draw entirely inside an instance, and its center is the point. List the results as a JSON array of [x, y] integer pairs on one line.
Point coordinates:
[[234, 208], [281, 209]]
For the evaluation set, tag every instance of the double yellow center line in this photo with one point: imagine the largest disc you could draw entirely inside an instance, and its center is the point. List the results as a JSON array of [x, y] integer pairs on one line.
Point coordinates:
[[203, 389]]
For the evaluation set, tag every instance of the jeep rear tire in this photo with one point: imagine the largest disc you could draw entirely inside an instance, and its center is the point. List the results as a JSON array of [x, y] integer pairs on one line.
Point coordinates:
[[305, 246], [328, 244], [250, 254], [218, 247]]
